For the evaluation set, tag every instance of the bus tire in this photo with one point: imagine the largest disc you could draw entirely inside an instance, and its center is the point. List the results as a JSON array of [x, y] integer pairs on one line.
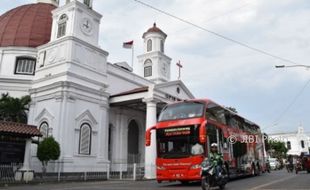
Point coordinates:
[[258, 170]]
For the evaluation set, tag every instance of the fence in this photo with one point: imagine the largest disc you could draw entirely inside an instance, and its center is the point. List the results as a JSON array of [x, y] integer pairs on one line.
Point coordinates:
[[114, 171], [7, 172], [126, 171]]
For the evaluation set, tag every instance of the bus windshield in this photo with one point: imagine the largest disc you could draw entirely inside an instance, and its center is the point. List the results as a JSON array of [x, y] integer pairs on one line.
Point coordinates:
[[177, 142], [182, 110]]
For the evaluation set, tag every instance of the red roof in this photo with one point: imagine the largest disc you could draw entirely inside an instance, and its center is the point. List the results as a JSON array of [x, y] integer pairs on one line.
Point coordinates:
[[154, 29], [26, 26], [19, 129]]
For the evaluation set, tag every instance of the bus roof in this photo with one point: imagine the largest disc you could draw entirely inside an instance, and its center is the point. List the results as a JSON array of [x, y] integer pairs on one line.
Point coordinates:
[[209, 101]]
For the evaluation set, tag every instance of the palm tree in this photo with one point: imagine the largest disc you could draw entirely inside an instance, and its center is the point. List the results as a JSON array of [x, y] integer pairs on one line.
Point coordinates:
[[14, 109]]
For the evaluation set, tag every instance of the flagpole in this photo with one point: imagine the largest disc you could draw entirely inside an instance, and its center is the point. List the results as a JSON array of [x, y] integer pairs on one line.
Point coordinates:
[[132, 55]]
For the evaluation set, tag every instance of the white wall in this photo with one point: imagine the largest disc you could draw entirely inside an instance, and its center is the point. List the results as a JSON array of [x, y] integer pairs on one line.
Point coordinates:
[[295, 139], [15, 85]]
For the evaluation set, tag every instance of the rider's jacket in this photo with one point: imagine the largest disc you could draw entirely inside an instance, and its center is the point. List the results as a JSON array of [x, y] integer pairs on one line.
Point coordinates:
[[216, 158]]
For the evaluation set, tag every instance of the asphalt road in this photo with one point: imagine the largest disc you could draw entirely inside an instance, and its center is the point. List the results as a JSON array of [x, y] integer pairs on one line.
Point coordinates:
[[276, 180]]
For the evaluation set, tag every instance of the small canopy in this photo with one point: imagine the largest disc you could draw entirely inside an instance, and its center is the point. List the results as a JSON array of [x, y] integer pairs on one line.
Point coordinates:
[[18, 129]]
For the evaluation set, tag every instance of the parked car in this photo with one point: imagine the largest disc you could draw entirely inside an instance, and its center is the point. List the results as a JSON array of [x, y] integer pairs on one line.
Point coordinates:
[[274, 164]]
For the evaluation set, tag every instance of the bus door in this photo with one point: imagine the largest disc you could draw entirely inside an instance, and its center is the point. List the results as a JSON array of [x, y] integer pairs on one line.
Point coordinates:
[[214, 135]]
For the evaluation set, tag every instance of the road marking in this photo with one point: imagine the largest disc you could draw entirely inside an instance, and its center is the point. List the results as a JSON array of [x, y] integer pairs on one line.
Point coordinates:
[[270, 183]]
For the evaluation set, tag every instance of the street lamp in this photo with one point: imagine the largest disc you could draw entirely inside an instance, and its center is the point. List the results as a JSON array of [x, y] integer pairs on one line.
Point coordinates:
[[283, 66]]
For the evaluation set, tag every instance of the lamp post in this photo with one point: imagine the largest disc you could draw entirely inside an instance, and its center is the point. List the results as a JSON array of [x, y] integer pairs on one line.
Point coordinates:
[[284, 66]]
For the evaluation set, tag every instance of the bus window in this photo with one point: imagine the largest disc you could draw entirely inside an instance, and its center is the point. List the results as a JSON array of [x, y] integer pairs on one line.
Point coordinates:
[[211, 132], [182, 110], [215, 113], [239, 152]]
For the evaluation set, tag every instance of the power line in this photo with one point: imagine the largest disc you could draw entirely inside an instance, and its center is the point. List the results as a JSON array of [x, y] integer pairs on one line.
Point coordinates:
[[217, 34], [288, 106], [216, 16]]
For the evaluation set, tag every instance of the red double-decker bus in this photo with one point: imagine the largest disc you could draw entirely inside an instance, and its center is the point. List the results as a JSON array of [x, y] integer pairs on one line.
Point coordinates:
[[185, 131]]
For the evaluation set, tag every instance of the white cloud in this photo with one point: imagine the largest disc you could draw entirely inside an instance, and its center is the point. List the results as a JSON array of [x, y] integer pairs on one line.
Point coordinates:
[[213, 67]]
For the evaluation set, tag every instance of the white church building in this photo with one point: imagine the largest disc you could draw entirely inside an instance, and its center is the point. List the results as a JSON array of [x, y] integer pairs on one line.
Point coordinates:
[[96, 110], [296, 142]]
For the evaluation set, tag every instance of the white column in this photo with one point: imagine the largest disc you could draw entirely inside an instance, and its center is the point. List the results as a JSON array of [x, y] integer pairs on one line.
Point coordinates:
[[25, 173], [103, 135], [27, 155], [150, 151]]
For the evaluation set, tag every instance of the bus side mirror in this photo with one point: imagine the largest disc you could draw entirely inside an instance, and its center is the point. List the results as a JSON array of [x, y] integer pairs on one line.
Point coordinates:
[[148, 134], [202, 133]]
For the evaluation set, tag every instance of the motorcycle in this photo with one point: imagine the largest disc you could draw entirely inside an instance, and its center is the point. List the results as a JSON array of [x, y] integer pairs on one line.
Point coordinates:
[[268, 168], [298, 166], [209, 178], [290, 167]]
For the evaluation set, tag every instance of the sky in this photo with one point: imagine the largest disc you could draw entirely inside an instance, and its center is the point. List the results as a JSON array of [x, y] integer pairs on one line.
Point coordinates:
[[215, 68]]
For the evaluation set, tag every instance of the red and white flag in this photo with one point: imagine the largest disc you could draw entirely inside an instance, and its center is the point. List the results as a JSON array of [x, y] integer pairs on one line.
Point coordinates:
[[128, 45]]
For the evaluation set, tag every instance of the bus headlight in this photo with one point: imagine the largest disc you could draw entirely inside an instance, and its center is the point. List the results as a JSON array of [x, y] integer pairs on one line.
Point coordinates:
[[161, 168], [196, 166]]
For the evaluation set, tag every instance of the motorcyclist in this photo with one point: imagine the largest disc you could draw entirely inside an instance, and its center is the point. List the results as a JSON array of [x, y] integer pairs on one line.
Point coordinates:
[[290, 165], [216, 159]]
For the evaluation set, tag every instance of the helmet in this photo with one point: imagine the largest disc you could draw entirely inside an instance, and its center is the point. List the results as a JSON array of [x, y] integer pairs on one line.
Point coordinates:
[[214, 145]]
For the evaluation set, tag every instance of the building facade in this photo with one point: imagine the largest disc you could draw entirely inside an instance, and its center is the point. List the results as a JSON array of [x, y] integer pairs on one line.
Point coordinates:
[[96, 110], [296, 142]]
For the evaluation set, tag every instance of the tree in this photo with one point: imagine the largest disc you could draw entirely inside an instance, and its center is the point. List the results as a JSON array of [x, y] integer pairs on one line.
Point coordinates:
[[14, 109], [278, 149], [48, 149], [232, 109]]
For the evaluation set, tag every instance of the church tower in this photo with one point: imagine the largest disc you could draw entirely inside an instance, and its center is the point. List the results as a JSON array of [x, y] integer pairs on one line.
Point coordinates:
[[69, 99], [53, 2], [154, 64], [77, 19]]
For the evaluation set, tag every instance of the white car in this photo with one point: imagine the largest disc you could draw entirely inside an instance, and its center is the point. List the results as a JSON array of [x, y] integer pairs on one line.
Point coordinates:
[[274, 164]]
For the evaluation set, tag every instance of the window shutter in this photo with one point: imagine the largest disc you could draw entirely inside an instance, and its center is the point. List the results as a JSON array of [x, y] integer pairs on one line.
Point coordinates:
[[85, 139]]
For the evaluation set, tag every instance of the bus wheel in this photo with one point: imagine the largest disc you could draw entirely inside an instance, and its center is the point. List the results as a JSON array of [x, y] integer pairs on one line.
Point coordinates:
[[159, 181], [258, 170]]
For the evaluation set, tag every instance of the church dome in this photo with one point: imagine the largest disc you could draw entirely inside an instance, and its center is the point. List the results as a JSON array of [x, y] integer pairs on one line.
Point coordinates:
[[154, 29], [26, 26]]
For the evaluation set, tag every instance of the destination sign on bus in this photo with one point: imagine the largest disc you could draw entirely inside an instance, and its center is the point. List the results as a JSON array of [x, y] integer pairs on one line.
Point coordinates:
[[177, 131]]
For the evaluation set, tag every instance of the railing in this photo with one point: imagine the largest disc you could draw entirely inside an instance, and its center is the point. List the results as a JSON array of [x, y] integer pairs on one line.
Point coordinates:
[[114, 171], [126, 171], [7, 172]]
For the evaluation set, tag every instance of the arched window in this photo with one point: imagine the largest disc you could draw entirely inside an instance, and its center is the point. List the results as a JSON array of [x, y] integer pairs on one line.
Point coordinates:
[[162, 46], [44, 129], [85, 139], [147, 68], [62, 25], [25, 65], [302, 144], [149, 45], [288, 144]]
